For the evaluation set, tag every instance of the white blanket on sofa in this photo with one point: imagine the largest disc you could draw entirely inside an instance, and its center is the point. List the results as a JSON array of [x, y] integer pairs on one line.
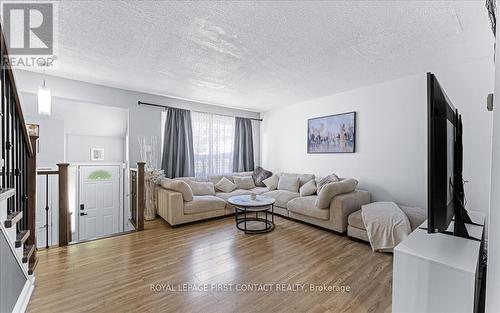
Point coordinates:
[[386, 224]]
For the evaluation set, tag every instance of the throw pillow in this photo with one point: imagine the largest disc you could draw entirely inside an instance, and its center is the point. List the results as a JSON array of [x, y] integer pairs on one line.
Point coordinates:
[[326, 180], [259, 174], [329, 191], [225, 185], [308, 188], [289, 182], [271, 182], [201, 188], [179, 186], [244, 182]]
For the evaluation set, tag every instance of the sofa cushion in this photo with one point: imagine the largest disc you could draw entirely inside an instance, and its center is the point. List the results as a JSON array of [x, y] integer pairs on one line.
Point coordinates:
[[415, 215], [202, 204], [272, 182], [192, 178], [303, 178], [216, 178], [356, 220], [242, 173], [164, 180], [289, 182], [237, 192], [259, 174], [306, 206], [244, 182], [330, 190], [259, 190], [201, 188], [281, 196], [308, 188], [241, 192], [332, 178], [225, 185], [179, 186]]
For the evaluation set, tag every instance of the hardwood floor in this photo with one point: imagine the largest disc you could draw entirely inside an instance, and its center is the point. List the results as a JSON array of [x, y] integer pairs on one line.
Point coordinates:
[[115, 274]]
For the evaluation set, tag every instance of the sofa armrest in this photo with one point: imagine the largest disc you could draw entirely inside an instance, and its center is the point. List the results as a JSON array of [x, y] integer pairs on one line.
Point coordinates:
[[345, 204], [170, 205]]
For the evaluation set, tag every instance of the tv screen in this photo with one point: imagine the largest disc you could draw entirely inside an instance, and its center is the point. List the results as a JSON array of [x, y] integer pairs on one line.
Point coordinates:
[[442, 121]]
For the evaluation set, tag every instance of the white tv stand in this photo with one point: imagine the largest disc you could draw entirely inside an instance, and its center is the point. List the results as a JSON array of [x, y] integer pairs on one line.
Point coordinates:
[[438, 272]]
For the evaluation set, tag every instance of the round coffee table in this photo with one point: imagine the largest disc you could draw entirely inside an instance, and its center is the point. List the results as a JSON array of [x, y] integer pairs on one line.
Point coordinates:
[[245, 206]]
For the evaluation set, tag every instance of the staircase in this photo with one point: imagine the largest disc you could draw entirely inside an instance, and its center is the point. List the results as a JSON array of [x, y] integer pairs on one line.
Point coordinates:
[[17, 261], [17, 196]]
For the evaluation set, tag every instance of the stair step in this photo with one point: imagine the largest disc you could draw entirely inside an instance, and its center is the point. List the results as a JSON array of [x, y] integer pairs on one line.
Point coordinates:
[[21, 238], [32, 266], [13, 218], [28, 251]]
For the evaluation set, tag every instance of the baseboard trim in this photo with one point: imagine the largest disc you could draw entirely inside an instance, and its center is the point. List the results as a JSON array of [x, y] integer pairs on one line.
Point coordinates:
[[24, 297]]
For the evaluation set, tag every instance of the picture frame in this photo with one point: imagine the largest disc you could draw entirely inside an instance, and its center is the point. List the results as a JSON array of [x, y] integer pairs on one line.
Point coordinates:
[[33, 130], [97, 154], [332, 134]]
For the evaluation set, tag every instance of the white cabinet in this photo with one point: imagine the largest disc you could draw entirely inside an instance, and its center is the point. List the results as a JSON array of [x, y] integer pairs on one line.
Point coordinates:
[[437, 272]]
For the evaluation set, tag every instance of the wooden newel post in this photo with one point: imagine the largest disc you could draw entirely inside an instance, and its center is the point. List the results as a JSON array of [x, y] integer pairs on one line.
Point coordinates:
[[31, 168], [64, 221], [141, 196]]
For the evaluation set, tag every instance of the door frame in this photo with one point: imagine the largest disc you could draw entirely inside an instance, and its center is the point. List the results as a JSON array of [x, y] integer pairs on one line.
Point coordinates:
[[77, 198]]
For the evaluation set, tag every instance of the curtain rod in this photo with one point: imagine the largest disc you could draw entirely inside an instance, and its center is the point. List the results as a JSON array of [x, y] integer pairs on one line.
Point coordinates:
[[169, 107]]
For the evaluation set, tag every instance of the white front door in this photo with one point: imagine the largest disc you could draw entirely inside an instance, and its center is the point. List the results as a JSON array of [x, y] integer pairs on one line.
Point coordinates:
[[99, 194]]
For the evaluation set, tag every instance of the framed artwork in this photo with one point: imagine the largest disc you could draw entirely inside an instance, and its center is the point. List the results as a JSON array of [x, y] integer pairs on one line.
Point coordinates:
[[33, 130], [332, 134], [97, 154]]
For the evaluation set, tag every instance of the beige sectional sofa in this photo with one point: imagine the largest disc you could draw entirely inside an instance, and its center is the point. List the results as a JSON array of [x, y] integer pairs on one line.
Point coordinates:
[[173, 208]]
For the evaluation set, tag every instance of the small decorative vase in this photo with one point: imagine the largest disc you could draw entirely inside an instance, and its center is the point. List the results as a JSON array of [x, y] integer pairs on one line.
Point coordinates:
[[149, 211]]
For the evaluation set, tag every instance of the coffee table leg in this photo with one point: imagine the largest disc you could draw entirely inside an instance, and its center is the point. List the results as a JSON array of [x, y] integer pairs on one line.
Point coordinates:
[[245, 220], [267, 226]]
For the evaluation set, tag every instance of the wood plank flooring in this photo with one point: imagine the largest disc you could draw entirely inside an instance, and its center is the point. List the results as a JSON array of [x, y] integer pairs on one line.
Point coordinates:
[[116, 274]]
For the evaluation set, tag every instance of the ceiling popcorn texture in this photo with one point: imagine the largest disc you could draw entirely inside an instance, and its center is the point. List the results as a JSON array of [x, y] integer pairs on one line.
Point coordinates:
[[262, 55]]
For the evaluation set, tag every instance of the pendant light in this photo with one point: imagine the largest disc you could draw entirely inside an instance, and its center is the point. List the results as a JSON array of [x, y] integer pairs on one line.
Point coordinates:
[[44, 100]]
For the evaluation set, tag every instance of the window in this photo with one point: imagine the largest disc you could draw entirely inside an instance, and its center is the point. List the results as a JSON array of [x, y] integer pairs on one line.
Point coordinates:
[[213, 143], [213, 140]]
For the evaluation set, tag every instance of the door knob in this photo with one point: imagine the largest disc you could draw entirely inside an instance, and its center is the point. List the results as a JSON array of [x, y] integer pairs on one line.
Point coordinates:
[[83, 214]]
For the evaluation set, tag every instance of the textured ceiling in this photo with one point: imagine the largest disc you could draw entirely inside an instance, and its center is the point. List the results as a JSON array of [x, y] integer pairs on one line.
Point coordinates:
[[261, 55]]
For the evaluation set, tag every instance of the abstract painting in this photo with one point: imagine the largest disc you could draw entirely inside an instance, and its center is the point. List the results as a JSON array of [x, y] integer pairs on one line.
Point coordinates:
[[332, 134]]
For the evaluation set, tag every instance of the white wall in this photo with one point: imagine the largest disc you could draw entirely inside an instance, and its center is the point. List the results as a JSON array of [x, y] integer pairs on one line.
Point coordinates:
[[85, 125], [391, 139], [78, 148], [143, 120], [51, 142], [493, 276]]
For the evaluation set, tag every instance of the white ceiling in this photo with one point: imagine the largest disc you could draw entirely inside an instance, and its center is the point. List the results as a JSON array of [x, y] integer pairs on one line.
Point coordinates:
[[261, 55]]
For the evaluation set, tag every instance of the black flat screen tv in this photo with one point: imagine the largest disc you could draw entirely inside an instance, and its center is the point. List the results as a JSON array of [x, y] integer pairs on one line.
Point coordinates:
[[442, 124]]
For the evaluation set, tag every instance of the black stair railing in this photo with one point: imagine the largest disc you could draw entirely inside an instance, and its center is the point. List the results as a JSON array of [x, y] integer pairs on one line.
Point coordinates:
[[15, 142]]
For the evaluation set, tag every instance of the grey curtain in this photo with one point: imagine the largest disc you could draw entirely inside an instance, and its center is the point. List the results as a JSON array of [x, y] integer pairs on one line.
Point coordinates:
[[243, 145], [178, 153]]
